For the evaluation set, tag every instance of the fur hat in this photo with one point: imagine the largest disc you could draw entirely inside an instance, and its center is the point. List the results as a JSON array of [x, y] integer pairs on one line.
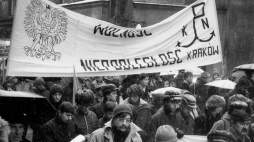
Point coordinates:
[[215, 101], [107, 88], [165, 133], [122, 108], [56, 88], [239, 100], [243, 82], [39, 81], [85, 97], [219, 136]]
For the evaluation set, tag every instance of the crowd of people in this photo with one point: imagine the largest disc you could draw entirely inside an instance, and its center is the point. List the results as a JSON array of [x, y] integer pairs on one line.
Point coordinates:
[[124, 109]]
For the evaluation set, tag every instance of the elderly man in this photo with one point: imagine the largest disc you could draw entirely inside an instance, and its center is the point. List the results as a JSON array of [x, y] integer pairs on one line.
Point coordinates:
[[119, 129]]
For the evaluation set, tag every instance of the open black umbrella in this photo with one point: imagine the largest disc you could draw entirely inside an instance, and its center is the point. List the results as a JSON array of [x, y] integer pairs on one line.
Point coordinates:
[[35, 108]]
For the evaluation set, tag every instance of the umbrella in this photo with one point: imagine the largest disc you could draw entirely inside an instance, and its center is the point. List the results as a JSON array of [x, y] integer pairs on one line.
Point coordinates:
[[194, 70], [168, 73], [226, 84], [36, 109], [161, 91], [245, 67]]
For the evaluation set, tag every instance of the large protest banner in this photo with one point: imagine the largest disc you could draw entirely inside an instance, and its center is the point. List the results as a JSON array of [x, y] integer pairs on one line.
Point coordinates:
[[48, 40]]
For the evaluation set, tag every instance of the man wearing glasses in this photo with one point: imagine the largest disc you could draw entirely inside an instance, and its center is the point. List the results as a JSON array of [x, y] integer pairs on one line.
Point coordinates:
[[119, 129]]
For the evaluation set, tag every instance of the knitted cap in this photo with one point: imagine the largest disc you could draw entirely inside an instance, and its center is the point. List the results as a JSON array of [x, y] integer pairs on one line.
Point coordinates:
[[39, 81], [219, 136], [107, 88], [190, 100], [122, 108], [215, 101], [56, 88], [165, 133]]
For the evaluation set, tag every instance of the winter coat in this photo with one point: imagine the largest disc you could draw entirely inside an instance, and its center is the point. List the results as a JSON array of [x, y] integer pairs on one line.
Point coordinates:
[[201, 91], [86, 124], [223, 123], [161, 118], [105, 134], [146, 96], [57, 131], [98, 109], [144, 115], [237, 138], [204, 123]]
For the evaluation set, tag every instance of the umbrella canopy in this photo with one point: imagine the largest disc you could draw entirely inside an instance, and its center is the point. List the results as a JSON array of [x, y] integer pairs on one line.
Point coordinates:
[[161, 91], [168, 73], [35, 108], [194, 70], [226, 84], [245, 67]]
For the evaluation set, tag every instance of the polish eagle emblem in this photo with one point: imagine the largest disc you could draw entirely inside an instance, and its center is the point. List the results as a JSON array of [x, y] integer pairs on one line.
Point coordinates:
[[47, 26]]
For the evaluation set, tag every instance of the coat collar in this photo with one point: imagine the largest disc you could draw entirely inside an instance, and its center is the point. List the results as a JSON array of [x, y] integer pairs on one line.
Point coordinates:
[[141, 102]]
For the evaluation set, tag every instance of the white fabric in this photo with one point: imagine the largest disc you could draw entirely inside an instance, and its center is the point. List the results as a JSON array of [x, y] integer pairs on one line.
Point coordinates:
[[48, 40]]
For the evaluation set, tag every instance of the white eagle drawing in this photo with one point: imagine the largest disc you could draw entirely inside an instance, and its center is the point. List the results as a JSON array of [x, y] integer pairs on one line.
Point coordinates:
[[47, 26]]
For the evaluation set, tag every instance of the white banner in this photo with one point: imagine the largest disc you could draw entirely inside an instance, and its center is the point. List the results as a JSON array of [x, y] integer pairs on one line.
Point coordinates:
[[48, 40]]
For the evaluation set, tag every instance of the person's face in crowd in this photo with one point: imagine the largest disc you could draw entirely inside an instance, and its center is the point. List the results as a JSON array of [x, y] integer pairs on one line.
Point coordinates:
[[217, 111], [41, 87], [172, 84], [205, 79], [145, 81], [15, 80], [65, 117], [241, 127], [134, 98], [166, 84], [189, 78], [109, 114], [123, 124], [244, 89], [173, 105], [16, 132], [112, 96], [239, 108], [185, 109], [215, 76], [99, 79], [57, 97]]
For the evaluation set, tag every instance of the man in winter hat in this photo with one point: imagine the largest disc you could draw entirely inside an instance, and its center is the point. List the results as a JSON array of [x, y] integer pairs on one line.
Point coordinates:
[[39, 87], [143, 112], [240, 126], [169, 114], [56, 93], [109, 92], [85, 119], [213, 110], [189, 111], [166, 133], [235, 102], [119, 129]]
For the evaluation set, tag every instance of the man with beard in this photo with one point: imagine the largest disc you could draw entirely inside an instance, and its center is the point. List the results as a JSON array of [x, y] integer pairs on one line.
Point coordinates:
[[169, 114], [119, 129], [213, 110], [61, 128], [240, 126]]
